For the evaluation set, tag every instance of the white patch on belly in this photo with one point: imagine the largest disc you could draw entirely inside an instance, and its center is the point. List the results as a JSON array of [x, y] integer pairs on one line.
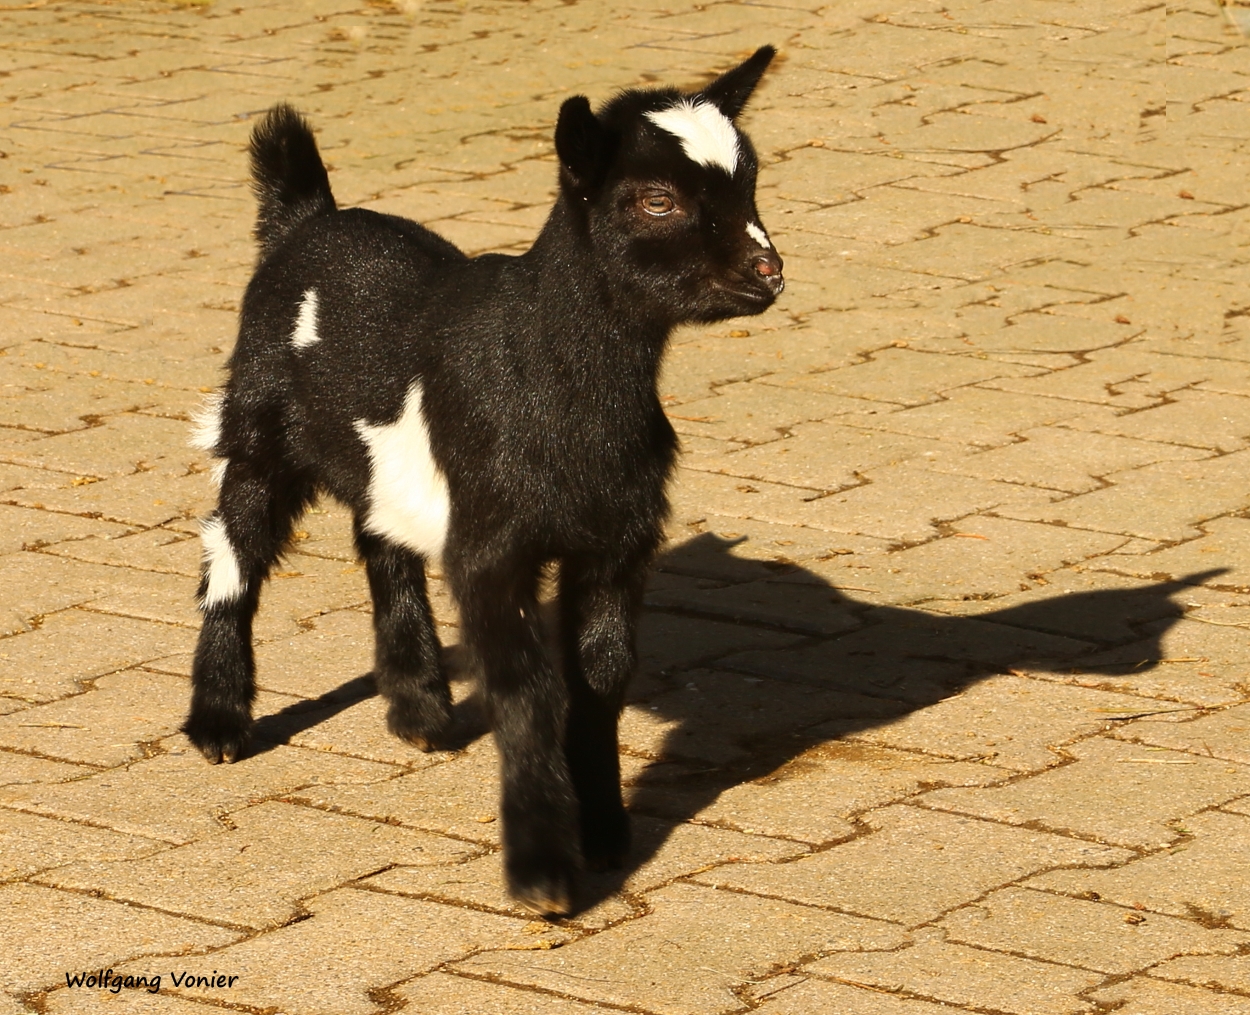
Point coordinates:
[[707, 135], [305, 333], [225, 583], [758, 235], [408, 500]]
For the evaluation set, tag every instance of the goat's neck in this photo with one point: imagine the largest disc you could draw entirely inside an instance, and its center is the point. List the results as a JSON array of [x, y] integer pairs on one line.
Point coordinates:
[[585, 300]]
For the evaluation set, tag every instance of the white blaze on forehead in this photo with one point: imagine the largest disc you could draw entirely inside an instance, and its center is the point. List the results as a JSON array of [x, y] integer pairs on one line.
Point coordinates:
[[305, 333], [408, 499], [758, 235], [225, 583], [706, 134]]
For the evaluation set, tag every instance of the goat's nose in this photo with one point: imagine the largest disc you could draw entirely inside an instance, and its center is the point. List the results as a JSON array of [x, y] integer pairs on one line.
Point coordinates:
[[767, 264]]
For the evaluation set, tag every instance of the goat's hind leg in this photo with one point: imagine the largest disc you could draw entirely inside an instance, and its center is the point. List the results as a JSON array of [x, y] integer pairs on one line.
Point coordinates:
[[407, 667], [242, 540]]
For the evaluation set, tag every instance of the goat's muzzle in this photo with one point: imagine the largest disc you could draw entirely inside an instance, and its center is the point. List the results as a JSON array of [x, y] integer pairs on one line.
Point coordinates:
[[768, 267]]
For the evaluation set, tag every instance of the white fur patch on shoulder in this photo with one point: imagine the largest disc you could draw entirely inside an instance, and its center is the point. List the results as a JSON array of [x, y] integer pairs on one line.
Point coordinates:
[[206, 424], [758, 235], [707, 135], [408, 497], [305, 333], [225, 583]]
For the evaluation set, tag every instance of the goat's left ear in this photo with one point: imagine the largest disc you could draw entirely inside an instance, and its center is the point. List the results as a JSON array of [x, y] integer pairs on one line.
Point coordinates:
[[730, 91], [583, 145]]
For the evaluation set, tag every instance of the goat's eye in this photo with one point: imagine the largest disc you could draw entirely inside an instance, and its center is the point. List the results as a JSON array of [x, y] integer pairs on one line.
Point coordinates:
[[657, 204]]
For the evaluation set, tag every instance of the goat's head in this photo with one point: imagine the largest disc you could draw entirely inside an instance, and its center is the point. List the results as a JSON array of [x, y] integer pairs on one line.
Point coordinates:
[[663, 184]]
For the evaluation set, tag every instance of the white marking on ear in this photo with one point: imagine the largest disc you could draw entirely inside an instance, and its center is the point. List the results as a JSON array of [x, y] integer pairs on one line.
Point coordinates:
[[707, 135], [305, 333], [225, 583], [206, 424], [408, 498], [758, 235]]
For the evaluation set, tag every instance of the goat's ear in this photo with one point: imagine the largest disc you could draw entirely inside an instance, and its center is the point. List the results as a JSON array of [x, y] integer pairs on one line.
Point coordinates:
[[582, 144], [730, 91]]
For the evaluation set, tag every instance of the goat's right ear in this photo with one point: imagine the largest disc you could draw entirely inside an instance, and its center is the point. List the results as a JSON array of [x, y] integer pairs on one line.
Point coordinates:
[[582, 144]]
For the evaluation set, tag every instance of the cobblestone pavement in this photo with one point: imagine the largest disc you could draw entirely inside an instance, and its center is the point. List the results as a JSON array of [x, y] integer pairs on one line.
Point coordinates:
[[946, 690]]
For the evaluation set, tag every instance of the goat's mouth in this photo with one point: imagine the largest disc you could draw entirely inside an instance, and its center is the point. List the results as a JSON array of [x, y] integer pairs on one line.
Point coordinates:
[[760, 295]]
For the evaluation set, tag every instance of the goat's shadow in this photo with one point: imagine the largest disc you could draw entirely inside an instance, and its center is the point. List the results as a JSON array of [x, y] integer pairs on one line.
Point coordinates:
[[865, 665]]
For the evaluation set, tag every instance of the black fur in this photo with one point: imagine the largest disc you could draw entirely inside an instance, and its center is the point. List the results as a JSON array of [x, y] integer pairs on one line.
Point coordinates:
[[538, 375]]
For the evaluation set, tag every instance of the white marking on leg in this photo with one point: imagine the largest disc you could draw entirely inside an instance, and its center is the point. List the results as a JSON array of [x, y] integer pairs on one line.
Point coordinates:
[[707, 135], [758, 235], [225, 583], [218, 472], [206, 424], [408, 498], [305, 333]]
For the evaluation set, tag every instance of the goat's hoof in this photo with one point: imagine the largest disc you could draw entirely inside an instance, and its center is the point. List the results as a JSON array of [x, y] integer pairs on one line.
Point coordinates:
[[421, 727], [546, 900], [219, 738], [543, 886]]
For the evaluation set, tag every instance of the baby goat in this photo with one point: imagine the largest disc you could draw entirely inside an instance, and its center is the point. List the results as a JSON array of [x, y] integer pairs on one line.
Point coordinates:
[[498, 412]]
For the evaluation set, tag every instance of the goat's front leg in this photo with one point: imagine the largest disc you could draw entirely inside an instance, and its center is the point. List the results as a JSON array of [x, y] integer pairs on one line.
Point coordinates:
[[529, 705], [406, 666], [599, 610]]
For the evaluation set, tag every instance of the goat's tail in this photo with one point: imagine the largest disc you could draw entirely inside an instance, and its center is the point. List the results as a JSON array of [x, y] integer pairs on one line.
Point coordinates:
[[288, 175]]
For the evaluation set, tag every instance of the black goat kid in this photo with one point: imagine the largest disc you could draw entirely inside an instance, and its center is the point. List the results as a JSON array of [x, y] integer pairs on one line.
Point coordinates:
[[497, 412]]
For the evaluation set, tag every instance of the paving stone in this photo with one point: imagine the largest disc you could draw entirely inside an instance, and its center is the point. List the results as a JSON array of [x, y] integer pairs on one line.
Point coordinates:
[[1219, 734], [25, 528], [1144, 996], [459, 797], [1013, 722], [29, 844], [717, 716], [75, 645], [647, 960], [915, 865], [813, 796], [352, 942], [981, 558], [105, 726], [1219, 972], [77, 932], [1060, 458], [336, 649], [254, 875], [1074, 932], [1222, 544], [443, 994], [810, 455], [177, 797], [1210, 419], [143, 498], [160, 549], [138, 1001], [809, 996], [1164, 501], [667, 641], [1197, 879], [1115, 792], [960, 975], [813, 609], [1185, 660], [21, 768], [126, 443]]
